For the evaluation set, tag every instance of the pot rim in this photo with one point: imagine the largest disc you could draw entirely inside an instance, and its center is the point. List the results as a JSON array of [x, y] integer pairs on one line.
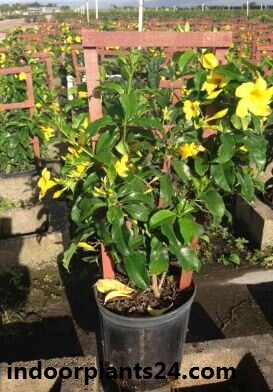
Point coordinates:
[[148, 320]]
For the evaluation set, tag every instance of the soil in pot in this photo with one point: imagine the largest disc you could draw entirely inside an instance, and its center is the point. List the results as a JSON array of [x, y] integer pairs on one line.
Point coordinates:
[[142, 300]]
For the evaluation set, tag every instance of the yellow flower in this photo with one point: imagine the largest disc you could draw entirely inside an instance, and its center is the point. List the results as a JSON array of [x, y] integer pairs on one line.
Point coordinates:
[[22, 76], [86, 246], [79, 170], [121, 166], [243, 149], [209, 61], [191, 109], [3, 58], [214, 81], [85, 123], [255, 98], [48, 132], [83, 94], [78, 39], [188, 150], [69, 40], [38, 105], [73, 153], [45, 183]]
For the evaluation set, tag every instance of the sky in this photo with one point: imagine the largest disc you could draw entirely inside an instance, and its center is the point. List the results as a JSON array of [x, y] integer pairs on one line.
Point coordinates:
[[166, 3]]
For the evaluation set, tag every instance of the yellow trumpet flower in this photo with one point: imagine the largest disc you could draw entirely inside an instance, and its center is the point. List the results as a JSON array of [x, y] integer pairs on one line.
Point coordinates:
[[191, 109], [188, 150], [255, 98], [209, 61], [45, 183], [121, 166]]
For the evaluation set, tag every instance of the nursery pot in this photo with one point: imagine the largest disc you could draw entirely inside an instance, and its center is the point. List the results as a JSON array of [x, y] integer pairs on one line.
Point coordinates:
[[128, 341]]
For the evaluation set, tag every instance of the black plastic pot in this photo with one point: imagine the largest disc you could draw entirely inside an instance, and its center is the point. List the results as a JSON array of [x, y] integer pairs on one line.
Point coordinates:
[[127, 341]]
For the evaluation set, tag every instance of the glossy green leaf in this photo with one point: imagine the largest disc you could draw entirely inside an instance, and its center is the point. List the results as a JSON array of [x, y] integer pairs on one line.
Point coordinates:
[[188, 228], [115, 213], [166, 190], [182, 170], [247, 187], [137, 211], [94, 127], [129, 104], [120, 236], [223, 175], [226, 149], [184, 60], [214, 202], [159, 258], [161, 217], [136, 268]]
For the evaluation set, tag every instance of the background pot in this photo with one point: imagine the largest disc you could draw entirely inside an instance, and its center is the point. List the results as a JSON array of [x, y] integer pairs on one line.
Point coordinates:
[[145, 340]]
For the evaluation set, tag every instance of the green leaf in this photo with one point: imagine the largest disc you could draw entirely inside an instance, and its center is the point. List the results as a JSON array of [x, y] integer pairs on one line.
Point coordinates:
[[79, 120], [199, 78], [68, 254], [256, 144], [236, 121], [115, 213], [214, 202], [138, 212], [129, 104], [106, 140], [159, 259], [114, 86], [227, 148], [95, 126], [247, 187], [148, 123], [135, 265], [119, 236], [161, 217], [76, 213], [223, 175], [200, 166], [135, 241], [166, 189], [189, 260], [231, 72], [90, 180], [235, 259], [186, 257], [188, 228], [184, 60], [137, 197], [182, 170], [89, 205]]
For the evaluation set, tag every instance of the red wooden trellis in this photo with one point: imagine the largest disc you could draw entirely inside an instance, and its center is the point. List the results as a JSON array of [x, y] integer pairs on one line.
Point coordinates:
[[43, 58], [27, 104], [93, 42]]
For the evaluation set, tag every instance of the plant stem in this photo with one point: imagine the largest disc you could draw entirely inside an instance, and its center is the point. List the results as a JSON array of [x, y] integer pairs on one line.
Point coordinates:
[[155, 286], [163, 276]]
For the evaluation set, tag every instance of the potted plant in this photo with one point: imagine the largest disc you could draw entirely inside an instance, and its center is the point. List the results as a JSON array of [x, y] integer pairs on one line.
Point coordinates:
[[159, 174]]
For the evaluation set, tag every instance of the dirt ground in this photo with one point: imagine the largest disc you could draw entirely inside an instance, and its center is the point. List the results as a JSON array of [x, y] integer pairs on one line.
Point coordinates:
[[6, 25]]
